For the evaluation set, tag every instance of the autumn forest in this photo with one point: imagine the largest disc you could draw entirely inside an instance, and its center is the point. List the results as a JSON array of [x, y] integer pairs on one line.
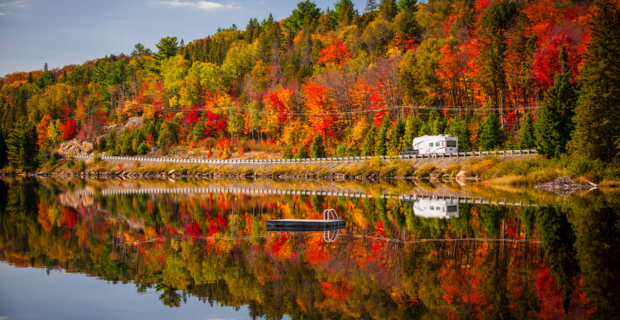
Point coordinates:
[[341, 81]]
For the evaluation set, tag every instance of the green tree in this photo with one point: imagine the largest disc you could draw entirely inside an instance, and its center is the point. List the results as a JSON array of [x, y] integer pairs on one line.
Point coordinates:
[[381, 143], [317, 150], [287, 153], [371, 6], [527, 135], [412, 130], [396, 138], [388, 9], [597, 133], [302, 152], [167, 48], [3, 150], [343, 13], [369, 143], [306, 10], [21, 145], [492, 135], [140, 50], [555, 125]]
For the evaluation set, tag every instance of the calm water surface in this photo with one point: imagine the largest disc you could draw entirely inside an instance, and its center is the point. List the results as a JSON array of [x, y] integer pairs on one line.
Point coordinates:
[[73, 249]]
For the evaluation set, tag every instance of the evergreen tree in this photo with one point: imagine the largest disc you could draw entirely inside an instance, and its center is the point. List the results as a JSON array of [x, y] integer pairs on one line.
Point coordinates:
[[248, 36], [317, 150], [396, 138], [464, 134], [527, 135], [388, 9], [343, 13], [597, 133], [555, 125], [381, 144], [287, 153], [3, 153], [45, 67], [302, 152], [369, 143], [21, 145], [412, 130], [167, 48], [406, 4], [492, 135], [371, 6], [305, 11]]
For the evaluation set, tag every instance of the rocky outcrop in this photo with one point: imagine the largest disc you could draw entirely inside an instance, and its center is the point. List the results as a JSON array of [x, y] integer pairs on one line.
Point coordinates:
[[563, 186], [75, 147]]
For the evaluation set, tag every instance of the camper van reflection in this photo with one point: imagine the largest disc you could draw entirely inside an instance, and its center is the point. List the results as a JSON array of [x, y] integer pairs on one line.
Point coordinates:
[[435, 208]]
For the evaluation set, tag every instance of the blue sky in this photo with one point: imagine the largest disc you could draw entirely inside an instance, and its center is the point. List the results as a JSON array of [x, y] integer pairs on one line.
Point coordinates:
[[35, 32]]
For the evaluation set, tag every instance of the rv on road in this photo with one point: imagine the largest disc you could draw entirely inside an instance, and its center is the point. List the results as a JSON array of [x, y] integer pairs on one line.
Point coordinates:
[[433, 144]]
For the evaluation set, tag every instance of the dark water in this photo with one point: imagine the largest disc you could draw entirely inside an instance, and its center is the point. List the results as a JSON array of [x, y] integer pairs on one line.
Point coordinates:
[[126, 249]]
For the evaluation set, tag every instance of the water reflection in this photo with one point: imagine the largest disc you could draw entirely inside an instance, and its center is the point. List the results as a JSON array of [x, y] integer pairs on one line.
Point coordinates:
[[390, 262]]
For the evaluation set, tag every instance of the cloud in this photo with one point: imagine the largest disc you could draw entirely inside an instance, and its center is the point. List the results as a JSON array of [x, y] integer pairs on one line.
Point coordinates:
[[204, 5], [13, 4], [1, 14]]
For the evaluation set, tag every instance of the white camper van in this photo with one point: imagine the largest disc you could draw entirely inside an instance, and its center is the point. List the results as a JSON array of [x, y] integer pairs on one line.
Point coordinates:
[[436, 144], [435, 208]]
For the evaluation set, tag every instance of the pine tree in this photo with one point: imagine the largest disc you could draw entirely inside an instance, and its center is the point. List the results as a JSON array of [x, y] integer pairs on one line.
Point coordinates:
[[412, 130], [45, 67], [371, 6], [492, 135], [555, 126], [597, 133], [388, 9], [302, 152], [396, 138], [464, 134], [381, 144], [369, 143], [21, 145], [248, 36], [317, 150], [3, 154], [527, 135]]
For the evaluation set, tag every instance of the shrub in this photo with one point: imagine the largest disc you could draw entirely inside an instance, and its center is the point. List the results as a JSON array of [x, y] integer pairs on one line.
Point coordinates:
[[453, 169], [70, 163], [53, 159], [287, 153], [426, 170], [81, 165], [143, 149], [101, 144], [96, 158]]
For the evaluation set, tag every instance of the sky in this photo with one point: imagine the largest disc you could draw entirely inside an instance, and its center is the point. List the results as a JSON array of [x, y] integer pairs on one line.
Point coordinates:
[[61, 32]]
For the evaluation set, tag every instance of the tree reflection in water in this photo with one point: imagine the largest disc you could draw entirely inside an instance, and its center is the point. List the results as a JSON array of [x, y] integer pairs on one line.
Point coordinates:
[[487, 262]]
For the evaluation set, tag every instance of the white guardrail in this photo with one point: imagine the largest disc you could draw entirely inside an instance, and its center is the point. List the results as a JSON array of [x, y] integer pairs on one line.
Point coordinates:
[[316, 160]]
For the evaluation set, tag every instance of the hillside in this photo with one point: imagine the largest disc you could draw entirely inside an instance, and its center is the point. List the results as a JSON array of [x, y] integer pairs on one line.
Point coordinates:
[[348, 81]]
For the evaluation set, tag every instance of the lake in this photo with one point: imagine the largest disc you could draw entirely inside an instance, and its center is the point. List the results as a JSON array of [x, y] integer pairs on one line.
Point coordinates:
[[199, 249]]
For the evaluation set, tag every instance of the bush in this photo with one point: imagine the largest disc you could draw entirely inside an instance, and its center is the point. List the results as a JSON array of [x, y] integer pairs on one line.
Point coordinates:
[[53, 159], [81, 165], [426, 170], [70, 163], [96, 158], [453, 169], [143, 149], [287, 153], [101, 144]]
